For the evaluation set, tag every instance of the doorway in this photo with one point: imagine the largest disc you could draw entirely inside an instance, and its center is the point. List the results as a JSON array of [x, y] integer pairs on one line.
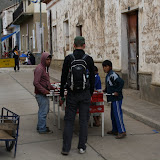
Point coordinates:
[[133, 54]]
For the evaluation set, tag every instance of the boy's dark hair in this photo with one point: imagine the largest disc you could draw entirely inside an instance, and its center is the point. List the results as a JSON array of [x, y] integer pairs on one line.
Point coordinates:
[[95, 69], [49, 57], [107, 63]]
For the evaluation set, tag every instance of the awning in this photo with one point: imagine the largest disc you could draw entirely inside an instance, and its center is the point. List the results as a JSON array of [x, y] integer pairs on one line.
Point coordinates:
[[3, 38]]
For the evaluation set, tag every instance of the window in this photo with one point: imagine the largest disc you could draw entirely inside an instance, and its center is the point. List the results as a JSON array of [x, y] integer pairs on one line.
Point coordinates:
[[54, 38], [66, 35], [79, 30]]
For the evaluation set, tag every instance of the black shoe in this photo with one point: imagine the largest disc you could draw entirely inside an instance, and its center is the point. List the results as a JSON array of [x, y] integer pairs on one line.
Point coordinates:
[[64, 153], [46, 128], [45, 132]]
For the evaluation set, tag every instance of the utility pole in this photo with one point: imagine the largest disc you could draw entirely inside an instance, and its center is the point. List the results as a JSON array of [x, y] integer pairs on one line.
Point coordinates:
[[41, 29]]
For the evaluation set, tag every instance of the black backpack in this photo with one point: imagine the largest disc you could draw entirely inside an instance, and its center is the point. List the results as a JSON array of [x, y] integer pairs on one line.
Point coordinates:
[[78, 76]]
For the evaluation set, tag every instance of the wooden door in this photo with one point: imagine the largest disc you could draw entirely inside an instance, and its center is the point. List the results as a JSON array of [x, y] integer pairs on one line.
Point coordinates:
[[133, 49]]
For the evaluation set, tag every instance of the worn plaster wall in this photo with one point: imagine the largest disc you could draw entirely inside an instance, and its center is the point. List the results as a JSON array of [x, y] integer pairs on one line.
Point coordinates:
[[149, 34], [89, 14], [149, 40], [112, 33]]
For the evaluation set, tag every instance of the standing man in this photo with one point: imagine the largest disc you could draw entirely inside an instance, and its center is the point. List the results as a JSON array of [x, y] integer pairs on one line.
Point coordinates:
[[16, 57], [42, 88], [114, 85], [78, 77]]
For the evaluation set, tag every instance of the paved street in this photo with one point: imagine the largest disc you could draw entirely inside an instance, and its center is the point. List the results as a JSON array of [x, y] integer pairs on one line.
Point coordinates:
[[17, 94]]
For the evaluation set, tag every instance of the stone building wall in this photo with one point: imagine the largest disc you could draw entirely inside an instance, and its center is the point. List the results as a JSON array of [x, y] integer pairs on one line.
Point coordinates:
[[89, 14], [104, 25], [149, 42]]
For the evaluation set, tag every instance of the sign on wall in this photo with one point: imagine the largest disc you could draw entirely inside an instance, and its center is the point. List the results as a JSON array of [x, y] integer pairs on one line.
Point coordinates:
[[6, 63]]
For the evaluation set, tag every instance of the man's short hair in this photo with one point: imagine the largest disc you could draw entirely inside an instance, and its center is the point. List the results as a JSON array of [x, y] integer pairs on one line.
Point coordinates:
[[50, 56], [107, 63], [79, 41]]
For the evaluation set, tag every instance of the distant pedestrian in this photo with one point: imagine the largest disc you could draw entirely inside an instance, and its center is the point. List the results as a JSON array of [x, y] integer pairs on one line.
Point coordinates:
[[97, 87], [79, 68], [114, 85], [32, 59], [42, 88], [16, 57]]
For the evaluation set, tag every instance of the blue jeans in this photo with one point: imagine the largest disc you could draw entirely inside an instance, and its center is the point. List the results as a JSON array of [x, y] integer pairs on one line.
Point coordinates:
[[43, 103]]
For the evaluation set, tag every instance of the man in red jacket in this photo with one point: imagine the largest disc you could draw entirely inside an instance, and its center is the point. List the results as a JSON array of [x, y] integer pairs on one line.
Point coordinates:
[[42, 88]]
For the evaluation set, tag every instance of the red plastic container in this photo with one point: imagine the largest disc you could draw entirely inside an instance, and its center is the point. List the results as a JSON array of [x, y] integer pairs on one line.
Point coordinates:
[[97, 97]]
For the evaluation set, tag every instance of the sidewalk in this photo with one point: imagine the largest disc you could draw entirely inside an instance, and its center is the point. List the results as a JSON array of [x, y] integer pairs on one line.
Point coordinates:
[[17, 94], [141, 110]]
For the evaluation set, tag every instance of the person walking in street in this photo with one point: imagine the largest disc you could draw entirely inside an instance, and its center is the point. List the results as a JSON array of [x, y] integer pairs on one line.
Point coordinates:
[[16, 57], [42, 88], [78, 77], [114, 85]]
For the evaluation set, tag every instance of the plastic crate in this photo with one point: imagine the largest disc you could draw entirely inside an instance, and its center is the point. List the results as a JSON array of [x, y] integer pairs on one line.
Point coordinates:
[[97, 97]]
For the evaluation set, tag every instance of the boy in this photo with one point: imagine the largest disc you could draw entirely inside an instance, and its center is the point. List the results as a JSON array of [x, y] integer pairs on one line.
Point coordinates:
[[97, 87], [114, 85], [42, 88]]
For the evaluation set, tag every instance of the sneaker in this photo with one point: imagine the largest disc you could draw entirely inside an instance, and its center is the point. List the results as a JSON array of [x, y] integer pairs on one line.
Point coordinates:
[[64, 153], [113, 133], [121, 135], [81, 151], [45, 132], [46, 128]]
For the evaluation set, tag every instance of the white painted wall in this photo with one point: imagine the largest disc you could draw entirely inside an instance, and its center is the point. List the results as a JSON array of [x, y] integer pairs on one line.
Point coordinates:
[[149, 35], [89, 14], [7, 18], [35, 8], [102, 28]]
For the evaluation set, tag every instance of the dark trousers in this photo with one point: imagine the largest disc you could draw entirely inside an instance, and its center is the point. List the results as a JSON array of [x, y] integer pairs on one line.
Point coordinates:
[[16, 63], [74, 100], [117, 117]]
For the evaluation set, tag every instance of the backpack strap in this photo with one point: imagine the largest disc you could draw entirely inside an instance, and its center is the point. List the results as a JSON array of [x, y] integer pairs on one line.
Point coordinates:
[[72, 57], [84, 57]]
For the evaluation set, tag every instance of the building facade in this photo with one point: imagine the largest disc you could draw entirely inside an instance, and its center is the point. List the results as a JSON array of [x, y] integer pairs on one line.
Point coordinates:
[[132, 42], [70, 18], [8, 29], [27, 15], [4, 4], [126, 32]]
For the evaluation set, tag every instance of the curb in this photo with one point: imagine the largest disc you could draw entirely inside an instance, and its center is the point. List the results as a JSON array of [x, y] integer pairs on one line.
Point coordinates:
[[148, 121], [139, 117]]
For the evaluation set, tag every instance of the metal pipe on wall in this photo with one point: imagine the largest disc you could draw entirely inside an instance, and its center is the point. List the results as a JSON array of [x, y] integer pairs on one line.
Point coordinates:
[[41, 30]]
